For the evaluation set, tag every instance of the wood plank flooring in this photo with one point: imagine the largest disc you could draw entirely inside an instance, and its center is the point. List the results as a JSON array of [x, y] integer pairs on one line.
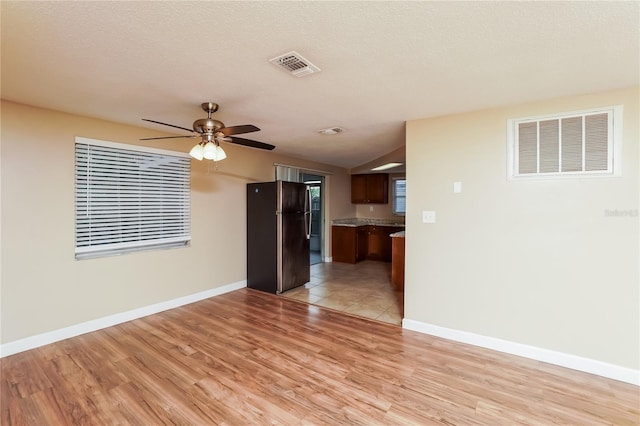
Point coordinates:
[[253, 358]]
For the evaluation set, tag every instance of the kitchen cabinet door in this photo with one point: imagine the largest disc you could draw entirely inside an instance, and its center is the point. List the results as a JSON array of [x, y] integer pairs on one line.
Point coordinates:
[[358, 189], [378, 188], [343, 244], [362, 243], [370, 188], [376, 243]]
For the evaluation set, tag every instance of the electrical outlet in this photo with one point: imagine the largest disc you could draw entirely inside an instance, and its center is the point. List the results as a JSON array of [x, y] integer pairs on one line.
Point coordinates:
[[370, 208]]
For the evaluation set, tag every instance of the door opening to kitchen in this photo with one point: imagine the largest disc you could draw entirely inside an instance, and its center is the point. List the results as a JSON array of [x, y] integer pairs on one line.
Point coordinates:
[[316, 184]]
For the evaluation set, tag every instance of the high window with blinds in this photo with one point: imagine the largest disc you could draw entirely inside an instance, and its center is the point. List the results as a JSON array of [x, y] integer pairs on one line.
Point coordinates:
[[399, 192], [579, 143], [129, 198]]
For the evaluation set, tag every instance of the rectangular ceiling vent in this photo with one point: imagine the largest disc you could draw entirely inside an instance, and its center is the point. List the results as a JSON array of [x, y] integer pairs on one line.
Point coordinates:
[[295, 64]]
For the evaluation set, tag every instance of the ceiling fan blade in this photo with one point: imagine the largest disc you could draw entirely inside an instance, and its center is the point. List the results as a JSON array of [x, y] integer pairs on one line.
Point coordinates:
[[167, 124], [169, 137], [251, 143], [236, 130]]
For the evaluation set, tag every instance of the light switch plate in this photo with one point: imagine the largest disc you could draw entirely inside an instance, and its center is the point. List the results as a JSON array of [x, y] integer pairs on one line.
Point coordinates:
[[457, 187], [428, 216]]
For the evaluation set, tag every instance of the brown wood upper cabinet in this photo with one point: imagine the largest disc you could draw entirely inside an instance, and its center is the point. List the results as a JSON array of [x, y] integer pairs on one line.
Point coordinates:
[[370, 188]]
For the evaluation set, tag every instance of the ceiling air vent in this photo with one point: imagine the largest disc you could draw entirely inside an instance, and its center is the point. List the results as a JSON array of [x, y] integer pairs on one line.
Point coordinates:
[[295, 64]]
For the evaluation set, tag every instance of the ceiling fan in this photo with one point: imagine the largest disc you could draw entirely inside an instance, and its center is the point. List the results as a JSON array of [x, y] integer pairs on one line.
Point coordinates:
[[211, 132]]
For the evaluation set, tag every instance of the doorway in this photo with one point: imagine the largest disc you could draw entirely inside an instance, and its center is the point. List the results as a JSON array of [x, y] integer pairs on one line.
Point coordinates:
[[316, 186], [316, 180]]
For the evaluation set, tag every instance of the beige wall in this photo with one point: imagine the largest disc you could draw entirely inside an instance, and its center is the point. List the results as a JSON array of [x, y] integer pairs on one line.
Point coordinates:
[[535, 262], [44, 288]]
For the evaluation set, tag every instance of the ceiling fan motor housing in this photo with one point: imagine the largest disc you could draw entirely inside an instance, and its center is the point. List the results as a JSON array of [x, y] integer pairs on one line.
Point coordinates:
[[207, 125]]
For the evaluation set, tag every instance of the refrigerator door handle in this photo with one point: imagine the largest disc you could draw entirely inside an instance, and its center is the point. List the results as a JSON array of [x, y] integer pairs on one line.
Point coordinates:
[[307, 213]]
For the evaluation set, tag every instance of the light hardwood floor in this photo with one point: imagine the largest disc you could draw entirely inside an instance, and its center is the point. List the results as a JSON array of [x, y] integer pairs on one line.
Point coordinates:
[[248, 358], [363, 289]]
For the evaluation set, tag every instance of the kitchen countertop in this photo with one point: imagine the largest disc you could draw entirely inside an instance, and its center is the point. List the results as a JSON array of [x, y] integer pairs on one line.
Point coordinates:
[[398, 234], [354, 222]]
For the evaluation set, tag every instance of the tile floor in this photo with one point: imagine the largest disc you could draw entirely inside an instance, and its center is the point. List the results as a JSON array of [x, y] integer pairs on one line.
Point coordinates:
[[363, 289]]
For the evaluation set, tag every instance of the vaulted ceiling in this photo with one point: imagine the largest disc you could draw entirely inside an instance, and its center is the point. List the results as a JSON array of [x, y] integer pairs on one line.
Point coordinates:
[[381, 63]]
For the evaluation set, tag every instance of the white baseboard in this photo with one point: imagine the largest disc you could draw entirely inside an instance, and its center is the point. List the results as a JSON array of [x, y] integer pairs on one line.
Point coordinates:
[[574, 362], [38, 340], [328, 259]]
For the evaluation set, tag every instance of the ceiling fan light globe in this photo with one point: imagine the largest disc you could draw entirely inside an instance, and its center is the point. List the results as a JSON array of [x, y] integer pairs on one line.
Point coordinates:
[[209, 151], [197, 152], [220, 154]]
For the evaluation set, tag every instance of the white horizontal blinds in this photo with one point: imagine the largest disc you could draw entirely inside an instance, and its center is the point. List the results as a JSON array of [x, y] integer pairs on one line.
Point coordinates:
[[399, 196], [576, 143], [572, 144], [549, 146], [287, 174], [128, 199], [596, 135], [528, 147]]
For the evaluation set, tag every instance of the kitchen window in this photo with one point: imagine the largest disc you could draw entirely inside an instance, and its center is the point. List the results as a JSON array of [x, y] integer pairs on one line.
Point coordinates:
[[584, 143], [129, 198], [399, 196]]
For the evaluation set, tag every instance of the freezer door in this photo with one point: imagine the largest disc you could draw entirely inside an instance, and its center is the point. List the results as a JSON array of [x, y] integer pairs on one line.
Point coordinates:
[[291, 197]]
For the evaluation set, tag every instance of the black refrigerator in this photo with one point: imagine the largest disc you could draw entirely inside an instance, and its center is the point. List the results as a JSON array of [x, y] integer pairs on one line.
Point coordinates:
[[278, 233]]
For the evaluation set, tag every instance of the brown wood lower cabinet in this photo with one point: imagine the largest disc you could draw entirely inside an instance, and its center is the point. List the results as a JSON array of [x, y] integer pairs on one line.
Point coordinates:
[[362, 243], [397, 263], [352, 244], [343, 244], [377, 243]]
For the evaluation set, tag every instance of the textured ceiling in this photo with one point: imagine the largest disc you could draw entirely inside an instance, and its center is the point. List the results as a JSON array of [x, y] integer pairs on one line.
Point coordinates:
[[382, 63]]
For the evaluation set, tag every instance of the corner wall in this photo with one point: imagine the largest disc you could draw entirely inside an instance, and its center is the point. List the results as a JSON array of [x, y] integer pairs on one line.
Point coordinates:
[[44, 288], [535, 262]]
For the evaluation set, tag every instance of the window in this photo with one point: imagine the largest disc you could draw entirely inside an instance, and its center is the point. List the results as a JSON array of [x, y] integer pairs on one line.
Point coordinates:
[[129, 198], [287, 174], [315, 196], [399, 191], [579, 143]]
